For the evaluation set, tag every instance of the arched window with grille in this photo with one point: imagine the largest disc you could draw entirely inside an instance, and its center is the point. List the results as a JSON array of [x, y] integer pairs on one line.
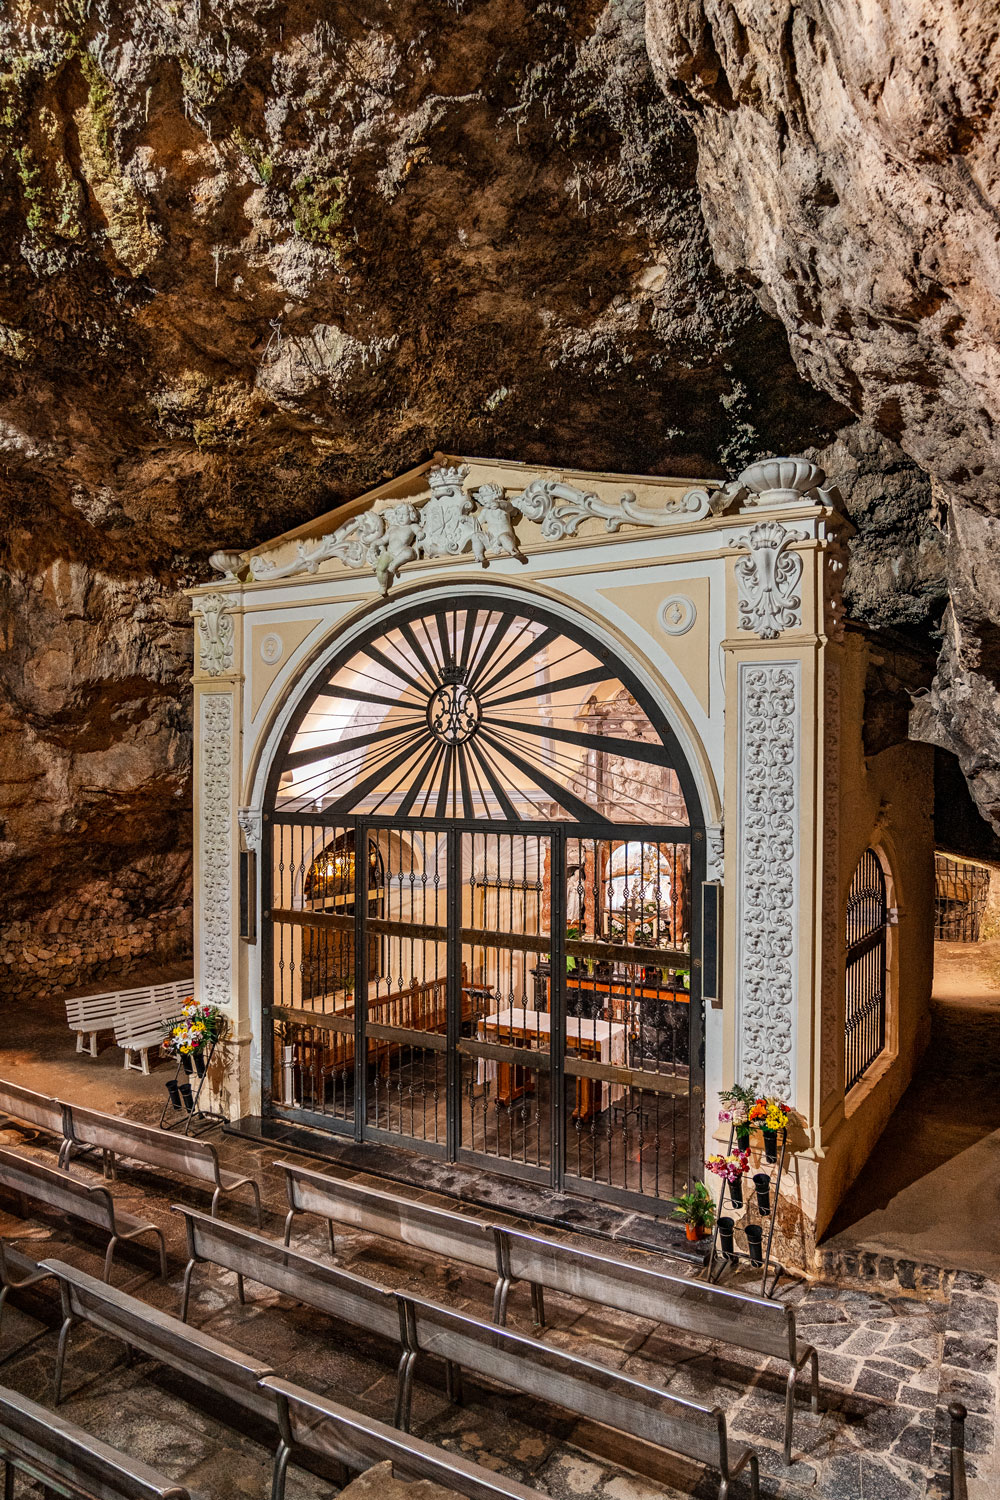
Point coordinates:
[[867, 969]]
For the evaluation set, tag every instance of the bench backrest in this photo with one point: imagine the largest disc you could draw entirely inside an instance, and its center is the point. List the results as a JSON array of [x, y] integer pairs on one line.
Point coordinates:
[[479, 1347], [215, 1364], [145, 1026], [83, 1012], [34, 1109], [54, 1451], [355, 1206], [733, 1318], [65, 1194], [158, 1148], [744, 1321], [360, 1442], [337, 1293], [581, 1386]]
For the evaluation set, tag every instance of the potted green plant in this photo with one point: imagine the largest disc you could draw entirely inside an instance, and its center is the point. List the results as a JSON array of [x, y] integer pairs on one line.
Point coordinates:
[[697, 1210]]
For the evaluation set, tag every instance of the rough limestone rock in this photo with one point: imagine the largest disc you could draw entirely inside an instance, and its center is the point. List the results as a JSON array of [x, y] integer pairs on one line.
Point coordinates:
[[256, 258], [849, 170]]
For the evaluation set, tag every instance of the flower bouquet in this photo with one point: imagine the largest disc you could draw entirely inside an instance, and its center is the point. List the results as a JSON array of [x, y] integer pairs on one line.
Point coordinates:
[[769, 1114], [738, 1102], [196, 1029], [733, 1168]]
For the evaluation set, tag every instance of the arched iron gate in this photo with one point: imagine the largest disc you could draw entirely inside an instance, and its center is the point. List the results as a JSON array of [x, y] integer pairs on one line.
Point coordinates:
[[506, 990], [866, 970]]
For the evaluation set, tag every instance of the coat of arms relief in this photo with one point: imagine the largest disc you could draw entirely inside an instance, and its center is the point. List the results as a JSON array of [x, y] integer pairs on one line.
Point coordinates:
[[452, 521]]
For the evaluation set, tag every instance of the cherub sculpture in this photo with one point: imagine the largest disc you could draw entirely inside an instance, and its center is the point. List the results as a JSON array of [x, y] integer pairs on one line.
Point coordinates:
[[399, 543], [494, 533]]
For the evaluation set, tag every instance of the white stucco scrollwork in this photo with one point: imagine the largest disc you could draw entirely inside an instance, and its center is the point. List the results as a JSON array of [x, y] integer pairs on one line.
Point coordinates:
[[250, 827], [561, 507], [768, 885], [450, 521], [215, 863], [831, 1022], [216, 634], [767, 578]]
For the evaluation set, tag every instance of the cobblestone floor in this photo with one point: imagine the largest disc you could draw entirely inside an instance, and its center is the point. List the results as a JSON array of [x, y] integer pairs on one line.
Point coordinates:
[[889, 1364]]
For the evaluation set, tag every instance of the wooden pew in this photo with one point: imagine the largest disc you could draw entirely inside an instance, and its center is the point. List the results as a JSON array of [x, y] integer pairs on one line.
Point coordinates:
[[757, 1325], [464, 1343], [29, 1108], [305, 1420], [89, 1129], [67, 1461], [17, 1271], [55, 1190]]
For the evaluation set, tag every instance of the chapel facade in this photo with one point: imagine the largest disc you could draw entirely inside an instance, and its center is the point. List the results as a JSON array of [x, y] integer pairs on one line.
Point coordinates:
[[532, 811]]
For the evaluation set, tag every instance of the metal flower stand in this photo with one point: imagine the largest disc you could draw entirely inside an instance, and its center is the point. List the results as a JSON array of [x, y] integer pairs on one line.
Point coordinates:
[[207, 1119], [722, 1262]]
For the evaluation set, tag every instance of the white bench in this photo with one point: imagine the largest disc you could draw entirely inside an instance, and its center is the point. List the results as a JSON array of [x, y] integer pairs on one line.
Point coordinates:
[[139, 1030], [89, 1014]]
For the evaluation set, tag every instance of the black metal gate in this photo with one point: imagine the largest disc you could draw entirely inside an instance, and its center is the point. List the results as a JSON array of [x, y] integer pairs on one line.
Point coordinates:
[[515, 992], [961, 890], [867, 924]]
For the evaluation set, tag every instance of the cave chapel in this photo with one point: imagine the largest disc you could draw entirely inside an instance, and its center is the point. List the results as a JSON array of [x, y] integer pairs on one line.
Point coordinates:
[[532, 811]]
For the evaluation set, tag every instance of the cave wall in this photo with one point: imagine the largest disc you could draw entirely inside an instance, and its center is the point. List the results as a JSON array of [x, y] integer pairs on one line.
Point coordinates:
[[258, 258], [849, 171]]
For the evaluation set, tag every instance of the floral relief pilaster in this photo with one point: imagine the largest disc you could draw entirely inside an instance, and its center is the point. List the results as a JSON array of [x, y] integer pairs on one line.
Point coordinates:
[[215, 859], [769, 711]]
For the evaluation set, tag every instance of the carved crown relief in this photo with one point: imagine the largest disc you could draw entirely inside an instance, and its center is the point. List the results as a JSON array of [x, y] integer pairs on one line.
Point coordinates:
[[768, 578], [451, 522]]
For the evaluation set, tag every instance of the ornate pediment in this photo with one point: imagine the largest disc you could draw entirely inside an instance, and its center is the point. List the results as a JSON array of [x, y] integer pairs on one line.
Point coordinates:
[[451, 521]]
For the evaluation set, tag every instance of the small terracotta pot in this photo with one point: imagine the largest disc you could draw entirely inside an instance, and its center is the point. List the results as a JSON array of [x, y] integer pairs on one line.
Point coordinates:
[[695, 1231]]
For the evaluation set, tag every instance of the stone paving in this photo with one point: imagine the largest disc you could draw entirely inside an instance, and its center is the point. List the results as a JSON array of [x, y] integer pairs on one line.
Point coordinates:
[[889, 1364]]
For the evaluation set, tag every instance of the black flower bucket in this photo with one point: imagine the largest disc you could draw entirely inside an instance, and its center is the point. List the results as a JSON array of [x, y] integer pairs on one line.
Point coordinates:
[[187, 1097], [199, 1062], [186, 1063], [736, 1192], [174, 1094], [755, 1241], [762, 1186], [726, 1226], [770, 1145]]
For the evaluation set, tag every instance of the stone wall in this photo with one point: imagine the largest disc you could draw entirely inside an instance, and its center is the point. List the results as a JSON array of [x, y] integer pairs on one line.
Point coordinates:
[[96, 934]]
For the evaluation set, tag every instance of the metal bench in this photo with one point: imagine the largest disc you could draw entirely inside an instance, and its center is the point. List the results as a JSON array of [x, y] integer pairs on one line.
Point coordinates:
[[139, 1031], [25, 1105], [464, 1343], [94, 1205], [17, 1271], [67, 1461], [89, 1129], [314, 1422], [88, 1015], [756, 1324], [199, 1356]]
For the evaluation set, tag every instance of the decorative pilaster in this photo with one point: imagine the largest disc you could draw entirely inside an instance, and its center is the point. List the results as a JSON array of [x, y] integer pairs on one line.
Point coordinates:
[[768, 813], [215, 846]]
